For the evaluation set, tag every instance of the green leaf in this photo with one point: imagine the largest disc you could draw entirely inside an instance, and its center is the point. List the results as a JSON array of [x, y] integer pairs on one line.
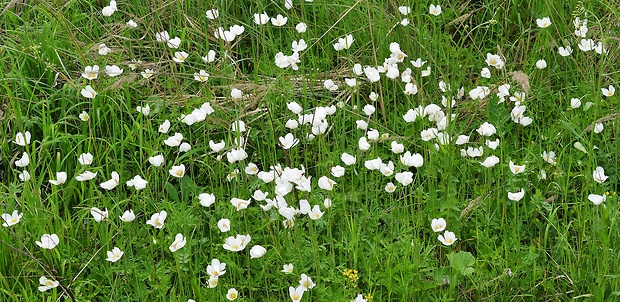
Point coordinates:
[[173, 193], [462, 262]]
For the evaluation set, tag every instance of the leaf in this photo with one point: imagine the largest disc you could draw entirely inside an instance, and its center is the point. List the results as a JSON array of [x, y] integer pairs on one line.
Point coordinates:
[[173, 193], [462, 262]]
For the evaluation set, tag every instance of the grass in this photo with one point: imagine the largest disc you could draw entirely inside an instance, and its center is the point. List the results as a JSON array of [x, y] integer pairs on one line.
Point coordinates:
[[553, 244]]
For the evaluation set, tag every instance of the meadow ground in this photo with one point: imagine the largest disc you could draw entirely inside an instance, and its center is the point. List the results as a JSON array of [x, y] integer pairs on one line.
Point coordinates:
[[353, 150]]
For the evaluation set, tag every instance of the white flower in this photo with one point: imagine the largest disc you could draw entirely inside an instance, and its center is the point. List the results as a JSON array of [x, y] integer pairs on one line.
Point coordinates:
[[434, 10], [157, 219], [344, 43], [544, 22], [240, 204], [111, 183], [110, 9], [565, 51], [315, 213], [174, 43], [327, 203], [47, 284], [99, 214], [575, 103], [210, 57], [599, 175], [224, 225], [299, 46], [541, 64], [11, 219], [201, 76], [113, 70], [516, 196], [598, 127], [608, 91], [261, 19], [485, 73], [587, 44], [597, 199], [85, 159], [495, 61], [184, 147], [48, 241], [180, 56], [279, 20], [390, 187], [287, 268], [348, 159], [462, 139], [363, 143], [86, 175], [418, 63], [363, 125], [132, 23], [232, 294], [114, 255], [372, 134], [156, 160], [91, 72], [88, 92], [405, 10], [236, 94], [438, 224], [236, 244], [128, 216], [326, 183], [257, 251], [174, 141], [177, 171], [296, 293], [216, 268], [103, 50], [411, 89], [147, 73], [412, 160], [397, 148], [448, 238], [236, 155], [23, 161], [410, 116], [330, 85], [212, 14], [301, 27], [24, 176], [306, 282], [178, 243], [549, 157], [516, 169], [137, 182], [490, 161], [217, 147], [162, 36], [486, 129], [288, 141], [84, 116], [492, 144], [206, 199], [404, 178]]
